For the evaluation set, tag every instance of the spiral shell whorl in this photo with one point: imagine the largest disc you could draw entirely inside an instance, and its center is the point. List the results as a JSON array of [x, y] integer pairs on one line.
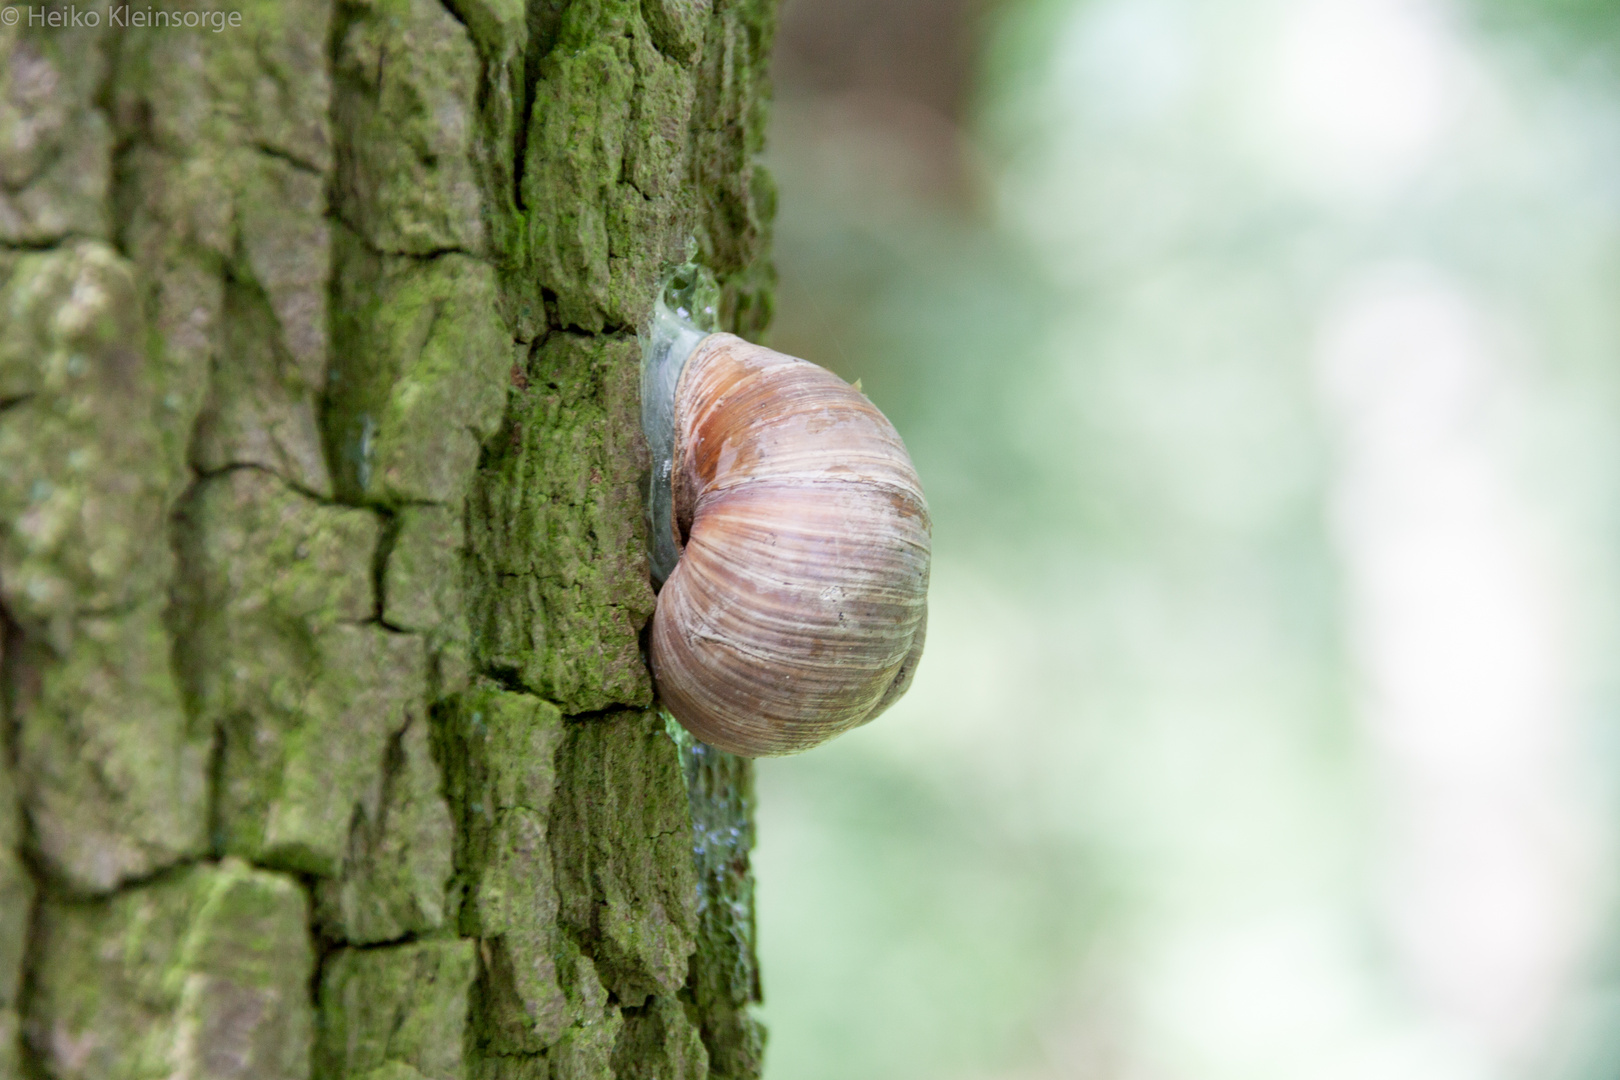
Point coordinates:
[[797, 608]]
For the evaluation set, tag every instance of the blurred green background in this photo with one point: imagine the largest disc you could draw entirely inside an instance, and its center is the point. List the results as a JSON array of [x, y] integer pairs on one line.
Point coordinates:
[[1261, 361]]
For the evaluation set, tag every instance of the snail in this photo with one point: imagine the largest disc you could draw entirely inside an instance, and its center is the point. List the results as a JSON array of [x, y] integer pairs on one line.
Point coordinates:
[[790, 538]]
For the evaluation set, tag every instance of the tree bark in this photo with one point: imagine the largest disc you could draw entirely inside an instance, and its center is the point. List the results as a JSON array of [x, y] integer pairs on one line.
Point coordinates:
[[330, 748]]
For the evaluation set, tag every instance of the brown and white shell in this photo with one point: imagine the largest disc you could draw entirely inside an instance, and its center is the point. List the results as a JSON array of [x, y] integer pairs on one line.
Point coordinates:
[[797, 609]]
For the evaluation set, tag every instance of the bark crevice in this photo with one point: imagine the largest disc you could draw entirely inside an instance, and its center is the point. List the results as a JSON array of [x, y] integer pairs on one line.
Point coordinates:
[[364, 697]]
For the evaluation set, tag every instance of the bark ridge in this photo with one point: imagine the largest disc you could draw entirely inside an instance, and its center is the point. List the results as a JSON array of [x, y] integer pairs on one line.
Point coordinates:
[[329, 746]]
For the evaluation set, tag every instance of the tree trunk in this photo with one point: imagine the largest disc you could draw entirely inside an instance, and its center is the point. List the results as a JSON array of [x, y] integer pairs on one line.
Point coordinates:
[[327, 727]]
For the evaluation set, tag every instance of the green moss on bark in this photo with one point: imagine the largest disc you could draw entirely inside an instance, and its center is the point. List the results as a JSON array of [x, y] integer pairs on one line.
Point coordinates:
[[355, 255], [295, 773], [660, 1042], [206, 967], [604, 159], [584, 1051], [261, 404], [416, 383], [306, 699], [500, 754], [398, 866], [423, 576], [621, 841], [738, 196], [16, 908], [85, 490], [388, 1010], [114, 773], [725, 970], [56, 169], [405, 113], [558, 540], [227, 144], [641, 143]]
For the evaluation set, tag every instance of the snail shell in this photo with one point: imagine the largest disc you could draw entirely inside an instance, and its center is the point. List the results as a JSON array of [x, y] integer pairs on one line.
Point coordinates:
[[797, 607]]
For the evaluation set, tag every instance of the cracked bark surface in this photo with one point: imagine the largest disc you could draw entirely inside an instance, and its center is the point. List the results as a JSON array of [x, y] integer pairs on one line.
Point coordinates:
[[329, 748]]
